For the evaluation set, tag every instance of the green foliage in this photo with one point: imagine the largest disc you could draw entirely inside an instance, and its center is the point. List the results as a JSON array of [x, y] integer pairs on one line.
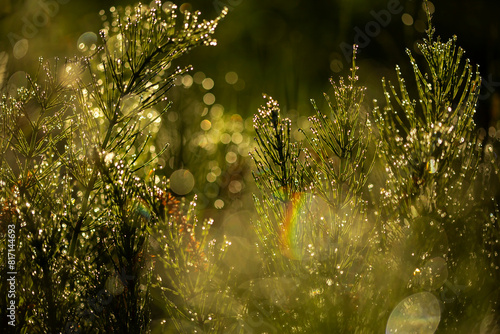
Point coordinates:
[[381, 219], [312, 211], [188, 284], [340, 145], [422, 144], [346, 256], [431, 157], [79, 184]]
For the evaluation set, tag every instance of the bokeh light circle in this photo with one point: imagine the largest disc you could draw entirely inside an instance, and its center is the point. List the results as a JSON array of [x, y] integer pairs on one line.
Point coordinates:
[[114, 285], [209, 99], [181, 182], [336, 65], [434, 273], [117, 45], [418, 313], [231, 77], [207, 83], [168, 6], [87, 41], [186, 7], [16, 81], [20, 48], [129, 104]]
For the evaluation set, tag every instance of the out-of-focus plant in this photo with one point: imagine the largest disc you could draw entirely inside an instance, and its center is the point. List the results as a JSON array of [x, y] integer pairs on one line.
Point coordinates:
[[78, 181], [188, 287]]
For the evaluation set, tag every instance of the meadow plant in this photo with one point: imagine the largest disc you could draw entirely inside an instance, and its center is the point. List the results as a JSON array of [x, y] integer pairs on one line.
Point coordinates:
[[384, 218], [94, 223], [398, 236]]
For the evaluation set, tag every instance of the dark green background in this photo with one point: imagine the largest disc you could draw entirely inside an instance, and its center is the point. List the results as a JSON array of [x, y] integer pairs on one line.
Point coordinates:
[[283, 47]]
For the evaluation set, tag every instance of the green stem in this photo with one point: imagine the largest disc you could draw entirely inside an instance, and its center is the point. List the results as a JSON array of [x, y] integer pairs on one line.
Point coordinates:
[[90, 187], [93, 179]]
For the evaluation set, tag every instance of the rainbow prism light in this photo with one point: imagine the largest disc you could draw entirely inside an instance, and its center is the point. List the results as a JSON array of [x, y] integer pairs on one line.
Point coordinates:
[[291, 233], [142, 208]]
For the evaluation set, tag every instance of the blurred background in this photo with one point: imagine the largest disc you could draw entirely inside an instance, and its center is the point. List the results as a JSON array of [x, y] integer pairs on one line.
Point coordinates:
[[285, 48]]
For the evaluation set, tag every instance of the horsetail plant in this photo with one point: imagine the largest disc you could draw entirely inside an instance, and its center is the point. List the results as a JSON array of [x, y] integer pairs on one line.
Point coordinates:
[[412, 259], [79, 182], [311, 224], [383, 219]]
